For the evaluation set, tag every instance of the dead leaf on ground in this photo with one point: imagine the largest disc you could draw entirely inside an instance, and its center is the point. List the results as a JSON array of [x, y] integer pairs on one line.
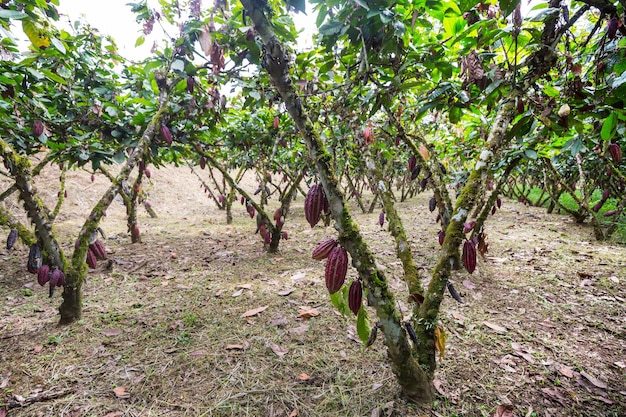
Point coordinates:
[[254, 312], [120, 392], [307, 312], [237, 293], [38, 348], [555, 395], [504, 410], [300, 330], [245, 286], [496, 328], [595, 381], [219, 293], [620, 364], [294, 413], [566, 371], [112, 332], [199, 352], [437, 385], [279, 321], [3, 412], [303, 377], [468, 284], [285, 292], [459, 317], [237, 346], [76, 412], [114, 414], [278, 350]]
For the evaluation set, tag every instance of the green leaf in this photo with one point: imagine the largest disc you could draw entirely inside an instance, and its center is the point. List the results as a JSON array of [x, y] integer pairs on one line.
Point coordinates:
[[299, 5], [59, 45], [140, 40], [507, 6], [363, 325], [12, 14], [609, 126], [53, 77], [331, 28]]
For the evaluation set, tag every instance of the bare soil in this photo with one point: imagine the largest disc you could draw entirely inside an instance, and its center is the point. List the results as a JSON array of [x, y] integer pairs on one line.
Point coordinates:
[[542, 327]]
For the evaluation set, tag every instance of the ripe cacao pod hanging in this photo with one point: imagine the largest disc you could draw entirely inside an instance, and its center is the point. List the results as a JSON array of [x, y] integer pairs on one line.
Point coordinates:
[[412, 163], [37, 128], [381, 219], [92, 261], [166, 134], [432, 204], [12, 238], [322, 250], [355, 296], [469, 256], [314, 204], [441, 237], [42, 275], [616, 152], [336, 269], [34, 259]]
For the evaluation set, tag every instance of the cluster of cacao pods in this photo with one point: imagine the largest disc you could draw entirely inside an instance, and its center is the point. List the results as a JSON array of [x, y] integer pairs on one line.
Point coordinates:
[[12, 238], [250, 209], [336, 270], [315, 204], [95, 252], [605, 196], [54, 276]]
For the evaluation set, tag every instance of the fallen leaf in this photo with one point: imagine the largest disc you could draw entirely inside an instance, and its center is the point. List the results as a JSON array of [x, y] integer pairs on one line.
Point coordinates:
[[294, 413], [120, 392], [566, 371], [303, 377], [286, 292], [199, 352], [594, 380], [468, 284], [376, 386], [555, 395], [307, 312], [278, 350], [440, 341], [38, 348], [604, 400], [298, 276], [279, 321], [76, 412], [112, 332], [495, 327], [234, 347], [504, 410], [437, 385], [219, 293], [114, 414], [620, 364], [237, 293], [245, 286], [254, 311], [300, 330], [459, 317]]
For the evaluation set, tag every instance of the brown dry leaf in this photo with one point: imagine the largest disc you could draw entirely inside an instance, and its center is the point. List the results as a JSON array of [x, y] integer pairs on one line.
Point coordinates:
[[38, 348], [278, 350], [495, 327], [114, 414], [234, 347], [555, 395], [112, 332], [303, 377], [468, 284], [285, 292], [566, 371], [294, 413], [245, 286], [199, 352], [206, 43], [440, 341], [300, 330], [504, 410], [459, 317], [594, 380], [307, 312], [254, 312], [76, 412], [237, 293], [120, 392]]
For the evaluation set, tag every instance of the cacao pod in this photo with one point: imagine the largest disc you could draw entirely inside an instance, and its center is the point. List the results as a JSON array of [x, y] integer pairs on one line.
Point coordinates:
[[432, 204], [598, 206], [12, 238], [609, 213], [412, 163], [454, 293], [42, 275], [202, 162], [267, 238], [355, 296], [606, 194], [314, 204], [166, 134], [423, 184], [148, 173], [92, 261], [191, 83], [322, 250], [469, 256], [499, 202], [37, 128], [415, 172], [93, 178], [611, 29], [142, 166], [250, 209], [243, 200], [220, 198], [381, 219], [34, 259], [438, 218], [616, 152], [284, 235], [441, 237], [276, 122], [519, 105], [336, 269], [493, 210]]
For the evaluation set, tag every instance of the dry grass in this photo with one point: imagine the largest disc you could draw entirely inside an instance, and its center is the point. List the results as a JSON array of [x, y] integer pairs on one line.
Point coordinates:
[[558, 293]]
